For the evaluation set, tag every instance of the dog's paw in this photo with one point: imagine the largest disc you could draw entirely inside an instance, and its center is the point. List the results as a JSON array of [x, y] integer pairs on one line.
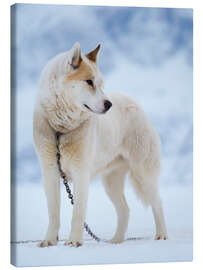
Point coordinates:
[[161, 236], [48, 243], [74, 240], [116, 240], [73, 243]]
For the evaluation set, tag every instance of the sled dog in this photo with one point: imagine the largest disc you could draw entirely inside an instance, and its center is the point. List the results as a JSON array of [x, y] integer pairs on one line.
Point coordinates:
[[111, 136]]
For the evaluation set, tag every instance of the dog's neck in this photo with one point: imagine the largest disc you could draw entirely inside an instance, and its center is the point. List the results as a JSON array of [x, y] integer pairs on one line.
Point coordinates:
[[63, 117]]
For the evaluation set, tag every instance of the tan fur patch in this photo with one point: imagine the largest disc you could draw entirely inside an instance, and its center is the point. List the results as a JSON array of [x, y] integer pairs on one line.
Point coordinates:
[[72, 150], [83, 73]]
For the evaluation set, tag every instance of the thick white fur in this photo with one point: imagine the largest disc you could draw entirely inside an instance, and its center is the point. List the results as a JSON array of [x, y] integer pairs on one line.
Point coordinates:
[[120, 141]]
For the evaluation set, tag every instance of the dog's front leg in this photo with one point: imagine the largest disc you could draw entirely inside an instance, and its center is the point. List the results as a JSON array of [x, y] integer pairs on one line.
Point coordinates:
[[51, 181], [80, 195]]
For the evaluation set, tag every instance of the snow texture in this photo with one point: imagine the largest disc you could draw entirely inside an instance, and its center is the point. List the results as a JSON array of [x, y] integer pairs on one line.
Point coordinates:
[[32, 218]]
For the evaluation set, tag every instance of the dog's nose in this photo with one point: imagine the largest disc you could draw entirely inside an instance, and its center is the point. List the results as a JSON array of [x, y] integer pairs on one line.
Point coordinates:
[[107, 105]]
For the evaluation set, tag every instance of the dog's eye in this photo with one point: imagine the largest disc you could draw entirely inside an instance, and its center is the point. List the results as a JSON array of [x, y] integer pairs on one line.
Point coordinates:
[[89, 82]]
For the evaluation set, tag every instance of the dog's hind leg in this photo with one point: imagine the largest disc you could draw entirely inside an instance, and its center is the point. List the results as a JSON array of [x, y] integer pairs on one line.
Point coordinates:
[[159, 219], [113, 182]]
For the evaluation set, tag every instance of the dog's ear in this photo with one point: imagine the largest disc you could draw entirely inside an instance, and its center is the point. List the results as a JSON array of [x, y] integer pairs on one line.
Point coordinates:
[[93, 54], [76, 56]]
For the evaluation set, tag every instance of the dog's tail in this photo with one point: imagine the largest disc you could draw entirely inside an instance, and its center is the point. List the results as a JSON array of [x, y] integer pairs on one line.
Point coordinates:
[[145, 185]]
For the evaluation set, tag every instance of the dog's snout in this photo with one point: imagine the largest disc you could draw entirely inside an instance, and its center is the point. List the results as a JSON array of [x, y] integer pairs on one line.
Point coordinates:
[[107, 105]]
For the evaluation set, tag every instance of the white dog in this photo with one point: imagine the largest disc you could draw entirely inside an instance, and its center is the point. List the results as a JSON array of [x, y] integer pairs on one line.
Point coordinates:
[[93, 141]]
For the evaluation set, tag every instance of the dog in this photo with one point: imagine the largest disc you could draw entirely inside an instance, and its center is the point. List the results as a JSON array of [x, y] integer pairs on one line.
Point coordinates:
[[111, 136]]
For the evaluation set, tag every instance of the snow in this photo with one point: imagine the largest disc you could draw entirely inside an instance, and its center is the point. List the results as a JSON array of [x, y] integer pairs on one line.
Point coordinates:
[[32, 218]]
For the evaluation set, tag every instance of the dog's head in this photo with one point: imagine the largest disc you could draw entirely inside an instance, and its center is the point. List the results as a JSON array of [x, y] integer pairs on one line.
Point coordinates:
[[83, 82]]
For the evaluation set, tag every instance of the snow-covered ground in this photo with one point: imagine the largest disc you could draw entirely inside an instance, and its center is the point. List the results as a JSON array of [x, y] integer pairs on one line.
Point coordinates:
[[31, 221]]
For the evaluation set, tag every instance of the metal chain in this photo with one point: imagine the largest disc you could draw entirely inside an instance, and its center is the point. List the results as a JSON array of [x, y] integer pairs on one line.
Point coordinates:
[[87, 239], [68, 190]]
